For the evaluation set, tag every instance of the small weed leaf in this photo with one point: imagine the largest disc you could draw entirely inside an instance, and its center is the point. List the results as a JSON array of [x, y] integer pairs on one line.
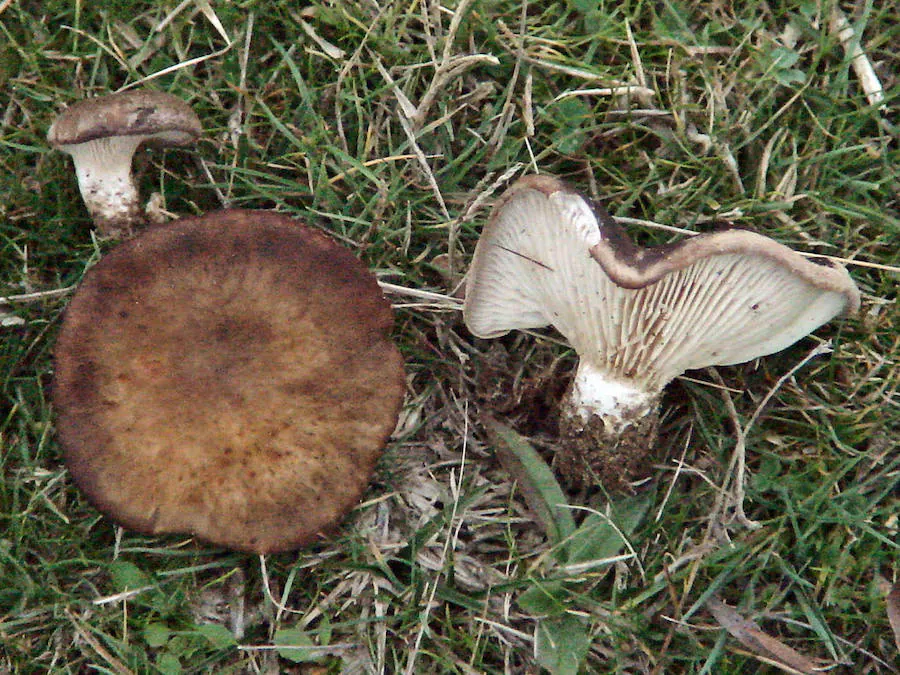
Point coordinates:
[[779, 62], [535, 479], [217, 635], [126, 576], [600, 536], [169, 664], [545, 598], [562, 644], [294, 646], [156, 634]]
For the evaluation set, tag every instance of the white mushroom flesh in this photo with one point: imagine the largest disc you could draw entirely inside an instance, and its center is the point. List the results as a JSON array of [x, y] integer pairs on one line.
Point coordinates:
[[596, 392]]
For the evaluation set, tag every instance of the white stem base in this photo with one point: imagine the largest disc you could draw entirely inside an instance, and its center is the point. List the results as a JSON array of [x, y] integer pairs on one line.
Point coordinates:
[[618, 401]]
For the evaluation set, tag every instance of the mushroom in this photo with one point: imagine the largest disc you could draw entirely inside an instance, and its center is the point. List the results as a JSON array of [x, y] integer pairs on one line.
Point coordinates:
[[230, 377], [102, 134], [636, 317]]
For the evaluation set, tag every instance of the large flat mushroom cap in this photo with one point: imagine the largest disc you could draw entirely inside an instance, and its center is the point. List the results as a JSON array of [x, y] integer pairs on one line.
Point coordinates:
[[231, 377]]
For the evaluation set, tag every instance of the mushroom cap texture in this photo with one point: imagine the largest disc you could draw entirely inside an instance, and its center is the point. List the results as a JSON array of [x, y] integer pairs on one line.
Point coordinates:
[[231, 377], [160, 117], [547, 257]]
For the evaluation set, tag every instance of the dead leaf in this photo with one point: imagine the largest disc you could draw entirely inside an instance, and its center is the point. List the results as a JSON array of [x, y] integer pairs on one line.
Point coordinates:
[[762, 645], [892, 601]]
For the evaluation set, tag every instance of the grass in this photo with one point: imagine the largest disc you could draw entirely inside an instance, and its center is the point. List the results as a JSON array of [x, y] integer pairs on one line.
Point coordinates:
[[376, 122]]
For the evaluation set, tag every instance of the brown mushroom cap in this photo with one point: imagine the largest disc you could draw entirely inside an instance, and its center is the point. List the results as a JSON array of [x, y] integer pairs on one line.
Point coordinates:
[[230, 377], [154, 116]]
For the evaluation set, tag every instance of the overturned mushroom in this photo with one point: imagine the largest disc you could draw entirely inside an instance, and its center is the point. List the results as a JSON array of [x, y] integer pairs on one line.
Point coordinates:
[[230, 377], [636, 317], [102, 134]]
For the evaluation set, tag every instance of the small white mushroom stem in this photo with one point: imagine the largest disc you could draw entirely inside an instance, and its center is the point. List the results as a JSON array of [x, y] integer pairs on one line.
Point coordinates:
[[103, 169], [608, 426]]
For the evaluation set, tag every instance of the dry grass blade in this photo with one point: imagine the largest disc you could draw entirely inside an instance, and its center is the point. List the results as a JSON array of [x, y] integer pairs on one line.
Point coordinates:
[[115, 665], [331, 50], [617, 90], [506, 113], [406, 113], [211, 16], [36, 296], [761, 644], [435, 300], [449, 68], [860, 63]]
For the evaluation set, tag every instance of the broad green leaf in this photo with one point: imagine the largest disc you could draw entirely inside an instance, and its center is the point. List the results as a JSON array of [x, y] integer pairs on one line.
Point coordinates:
[[790, 76], [156, 634], [324, 630], [168, 664], [600, 537], [782, 58], [569, 141], [535, 479], [562, 644], [293, 645], [544, 598], [126, 576], [218, 635]]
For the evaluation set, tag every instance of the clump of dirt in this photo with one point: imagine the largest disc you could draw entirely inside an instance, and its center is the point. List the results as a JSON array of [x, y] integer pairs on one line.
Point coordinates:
[[595, 454], [524, 390], [525, 386]]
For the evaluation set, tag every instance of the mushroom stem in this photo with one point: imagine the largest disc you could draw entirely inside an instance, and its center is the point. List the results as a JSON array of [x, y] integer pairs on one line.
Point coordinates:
[[595, 392], [103, 169], [608, 426]]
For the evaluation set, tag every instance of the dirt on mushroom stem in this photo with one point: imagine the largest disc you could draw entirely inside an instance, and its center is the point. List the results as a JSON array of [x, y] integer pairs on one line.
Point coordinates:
[[601, 450], [608, 428], [534, 392]]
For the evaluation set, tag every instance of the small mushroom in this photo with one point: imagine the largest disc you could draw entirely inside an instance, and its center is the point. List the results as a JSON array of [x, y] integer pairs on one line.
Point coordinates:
[[230, 377], [636, 317], [102, 134]]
